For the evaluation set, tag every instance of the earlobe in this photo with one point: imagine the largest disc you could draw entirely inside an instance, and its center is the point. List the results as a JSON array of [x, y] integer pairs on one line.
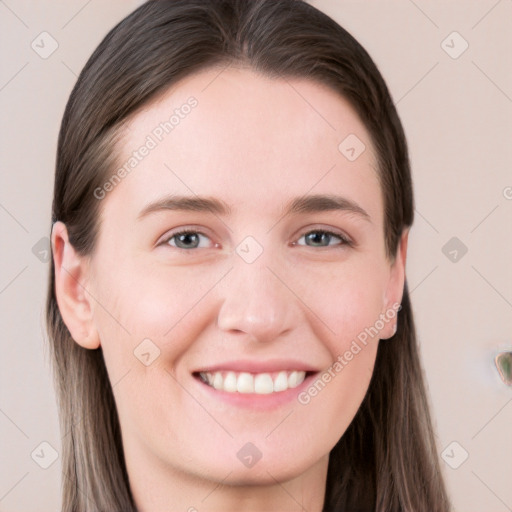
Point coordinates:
[[73, 300]]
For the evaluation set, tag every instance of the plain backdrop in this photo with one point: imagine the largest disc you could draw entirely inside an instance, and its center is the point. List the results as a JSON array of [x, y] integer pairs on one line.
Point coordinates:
[[449, 70]]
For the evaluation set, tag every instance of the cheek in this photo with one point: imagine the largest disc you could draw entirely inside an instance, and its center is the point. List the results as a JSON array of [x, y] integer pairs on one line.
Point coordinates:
[[333, 399], [344, 306], [345, 302], [350, 304], [164, 307], [154, 318]]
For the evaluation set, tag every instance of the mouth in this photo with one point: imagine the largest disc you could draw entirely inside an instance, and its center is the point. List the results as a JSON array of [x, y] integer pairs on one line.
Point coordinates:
[[265, 383], [253, 385]]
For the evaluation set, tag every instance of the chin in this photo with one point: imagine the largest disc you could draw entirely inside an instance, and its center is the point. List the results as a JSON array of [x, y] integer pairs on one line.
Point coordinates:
[[264, 472]]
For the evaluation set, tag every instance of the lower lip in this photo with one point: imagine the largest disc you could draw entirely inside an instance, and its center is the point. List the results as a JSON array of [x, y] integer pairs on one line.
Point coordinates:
[[256, 401]]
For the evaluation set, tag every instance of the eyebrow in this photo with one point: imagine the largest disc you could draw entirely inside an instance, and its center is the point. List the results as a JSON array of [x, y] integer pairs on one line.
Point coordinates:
[[324, 203], [187, 203], [300, 205]]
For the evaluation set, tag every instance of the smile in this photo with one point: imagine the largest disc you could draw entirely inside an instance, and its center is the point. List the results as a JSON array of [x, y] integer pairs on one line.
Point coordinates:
[[258, 383]]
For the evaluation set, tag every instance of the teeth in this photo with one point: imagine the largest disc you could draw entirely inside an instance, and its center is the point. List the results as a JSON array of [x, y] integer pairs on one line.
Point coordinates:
[[259, 383], [230, 383], [281, 382], [263, 384], [217, 381], [293, 380], [244, 383]]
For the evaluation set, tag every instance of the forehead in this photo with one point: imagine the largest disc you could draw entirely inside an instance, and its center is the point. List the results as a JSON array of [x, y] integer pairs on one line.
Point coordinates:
[[236, 134]]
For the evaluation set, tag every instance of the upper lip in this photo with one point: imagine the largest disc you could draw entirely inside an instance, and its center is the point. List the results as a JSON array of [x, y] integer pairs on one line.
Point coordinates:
[[252, 366]]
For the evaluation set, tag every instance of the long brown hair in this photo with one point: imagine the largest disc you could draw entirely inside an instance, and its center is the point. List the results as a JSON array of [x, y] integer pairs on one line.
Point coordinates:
[[387, 458]]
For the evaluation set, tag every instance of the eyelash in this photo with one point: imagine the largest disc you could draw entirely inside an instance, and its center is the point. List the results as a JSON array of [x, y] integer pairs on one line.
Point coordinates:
[[344, 240]]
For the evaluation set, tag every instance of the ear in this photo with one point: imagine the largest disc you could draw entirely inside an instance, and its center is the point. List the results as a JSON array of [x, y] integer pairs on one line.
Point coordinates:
[[395, 289], [71, 273]]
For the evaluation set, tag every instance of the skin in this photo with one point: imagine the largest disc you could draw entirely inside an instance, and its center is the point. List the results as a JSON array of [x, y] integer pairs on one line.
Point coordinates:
[[256, 143]]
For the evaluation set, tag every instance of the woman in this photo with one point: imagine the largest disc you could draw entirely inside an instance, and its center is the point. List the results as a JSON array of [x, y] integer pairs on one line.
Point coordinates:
[[228, 310]]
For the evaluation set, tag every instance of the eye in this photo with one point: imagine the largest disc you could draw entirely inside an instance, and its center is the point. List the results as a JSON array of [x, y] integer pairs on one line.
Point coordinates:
[[187, 239], [323, 238], [190, 239]]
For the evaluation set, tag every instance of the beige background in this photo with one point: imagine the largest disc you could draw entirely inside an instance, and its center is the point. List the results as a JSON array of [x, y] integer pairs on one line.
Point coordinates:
[[457, 114]]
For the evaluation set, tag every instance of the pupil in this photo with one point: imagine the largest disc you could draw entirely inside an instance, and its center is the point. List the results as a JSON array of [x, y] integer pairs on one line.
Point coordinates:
[[185, 238], [317, 237]]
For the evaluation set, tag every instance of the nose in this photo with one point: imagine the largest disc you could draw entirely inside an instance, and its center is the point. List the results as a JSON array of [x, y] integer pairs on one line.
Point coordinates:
[[257, 302]]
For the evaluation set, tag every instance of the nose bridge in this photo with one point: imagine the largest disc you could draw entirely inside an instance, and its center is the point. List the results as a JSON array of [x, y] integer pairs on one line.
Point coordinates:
[[255, 301]]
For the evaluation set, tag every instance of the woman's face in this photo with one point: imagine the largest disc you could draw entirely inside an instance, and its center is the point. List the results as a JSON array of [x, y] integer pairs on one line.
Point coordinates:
[[257, 170]]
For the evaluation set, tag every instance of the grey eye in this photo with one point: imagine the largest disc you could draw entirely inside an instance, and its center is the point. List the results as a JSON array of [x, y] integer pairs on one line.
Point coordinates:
[[187, 240], [322, 238]]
